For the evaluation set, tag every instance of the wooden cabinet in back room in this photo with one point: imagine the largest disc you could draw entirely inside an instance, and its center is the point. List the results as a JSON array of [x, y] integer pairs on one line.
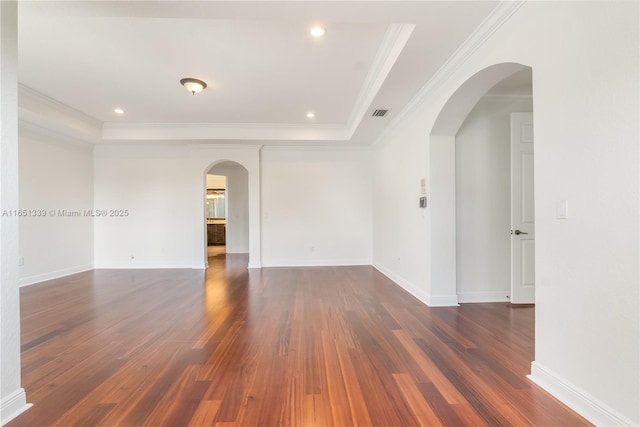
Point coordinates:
[[216, 234]]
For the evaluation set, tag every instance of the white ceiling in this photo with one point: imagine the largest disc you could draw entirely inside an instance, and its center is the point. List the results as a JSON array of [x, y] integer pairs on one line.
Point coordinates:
[[263, 69]]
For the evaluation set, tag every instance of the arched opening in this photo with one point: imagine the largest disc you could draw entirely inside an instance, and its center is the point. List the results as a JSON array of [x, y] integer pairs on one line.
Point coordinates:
[[226, 210], [470, 174]]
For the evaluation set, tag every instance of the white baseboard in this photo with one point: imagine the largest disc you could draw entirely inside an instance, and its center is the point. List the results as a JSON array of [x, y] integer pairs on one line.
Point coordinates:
[[424, 297], [26, 281], [13, 405], [403, 283], [493, 296], [316, 263], [580, 401], [443, 301], [146, 266]]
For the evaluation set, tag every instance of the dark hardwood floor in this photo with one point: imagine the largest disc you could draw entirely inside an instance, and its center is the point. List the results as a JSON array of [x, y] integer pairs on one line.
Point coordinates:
[[330, 346]]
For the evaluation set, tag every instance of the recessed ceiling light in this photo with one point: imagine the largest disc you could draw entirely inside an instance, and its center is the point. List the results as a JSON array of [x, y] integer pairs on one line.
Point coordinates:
[[310, 115], [317, 31], [118, 110]]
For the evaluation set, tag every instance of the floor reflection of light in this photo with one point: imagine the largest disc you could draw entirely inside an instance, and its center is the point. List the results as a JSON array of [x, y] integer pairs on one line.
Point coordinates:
[[216, 295]]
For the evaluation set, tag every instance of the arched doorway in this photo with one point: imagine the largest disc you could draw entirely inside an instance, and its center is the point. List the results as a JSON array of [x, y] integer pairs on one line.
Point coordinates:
[[442, 158], [226, 213]]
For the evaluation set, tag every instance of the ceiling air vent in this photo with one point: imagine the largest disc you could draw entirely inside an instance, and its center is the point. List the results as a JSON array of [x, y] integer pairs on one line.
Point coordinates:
[[379, 113]]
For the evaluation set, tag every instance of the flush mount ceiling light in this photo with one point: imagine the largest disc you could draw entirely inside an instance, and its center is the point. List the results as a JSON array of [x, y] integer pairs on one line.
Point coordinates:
[[310, 115], [118, 110], [193, 85], [317, 31]]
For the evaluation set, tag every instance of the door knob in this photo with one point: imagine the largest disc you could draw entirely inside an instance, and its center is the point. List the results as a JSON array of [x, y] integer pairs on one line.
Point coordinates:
[[518, 232]]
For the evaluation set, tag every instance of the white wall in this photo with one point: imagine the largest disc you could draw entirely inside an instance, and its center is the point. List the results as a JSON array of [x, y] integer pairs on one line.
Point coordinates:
[[56, 173], [483, 200], [584, 57], [12, 396], [443, 251], [163, 188], [317, 206], [237, 182], [401, 247]]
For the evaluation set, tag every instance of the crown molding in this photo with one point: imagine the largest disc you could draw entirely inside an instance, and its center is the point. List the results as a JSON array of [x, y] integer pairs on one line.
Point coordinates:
[[392, 45], [47, 127], [233, 126], [36, 130], [28, 96], [331, 148], [175, 144], [223, 131], [496, 19], [44, 112]]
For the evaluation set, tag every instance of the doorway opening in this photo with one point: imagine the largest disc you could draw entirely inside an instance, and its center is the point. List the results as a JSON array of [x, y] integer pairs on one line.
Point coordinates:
[[472, 245], [226, 210], [494, 195], [216, 208]]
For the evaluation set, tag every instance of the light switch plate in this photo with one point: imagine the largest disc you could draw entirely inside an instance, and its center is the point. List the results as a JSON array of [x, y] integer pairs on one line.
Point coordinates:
[[562, 209]]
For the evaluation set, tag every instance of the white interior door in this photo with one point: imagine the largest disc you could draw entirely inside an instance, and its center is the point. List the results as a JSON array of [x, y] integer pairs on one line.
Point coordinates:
[[522, 210]]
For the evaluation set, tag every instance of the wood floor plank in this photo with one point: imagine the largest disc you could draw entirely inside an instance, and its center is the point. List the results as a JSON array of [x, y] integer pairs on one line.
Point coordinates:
[[433, 374], [342, 411], [420, 407], [229, 347], [446, 413], [353, 386], [205, 413], [378, 394]]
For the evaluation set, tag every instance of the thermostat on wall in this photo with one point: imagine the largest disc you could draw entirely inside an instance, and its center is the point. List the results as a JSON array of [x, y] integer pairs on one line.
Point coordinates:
[[423, 202]]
